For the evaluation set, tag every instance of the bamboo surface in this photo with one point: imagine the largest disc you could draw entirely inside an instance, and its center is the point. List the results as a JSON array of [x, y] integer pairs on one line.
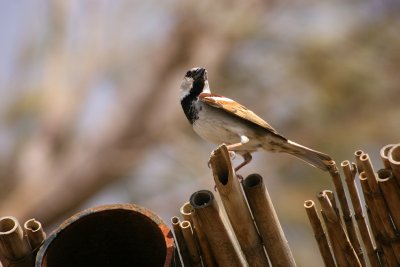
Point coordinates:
[[191, 243], [394, 160], [207, 211], [235, 205], [319, 233], [350, 172], [267, 221], [339, 235], [391, 193], [384, 153]]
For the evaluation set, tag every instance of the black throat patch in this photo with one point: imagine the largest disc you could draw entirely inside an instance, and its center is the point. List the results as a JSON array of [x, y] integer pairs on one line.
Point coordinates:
[[188, 102]]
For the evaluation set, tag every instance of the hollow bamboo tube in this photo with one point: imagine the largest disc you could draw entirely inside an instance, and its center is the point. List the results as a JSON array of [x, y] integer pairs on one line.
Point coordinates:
[[381, 207], [357, 156], [339, 234], [206, 210], [236, 207], [201, 240], [384, 153], [267, 221], [382, 238], [391, 193], [35, 233], [180, 241], [394, 160], [205, 249], [191, 243], [333, 201], [347, 215], [13, 246], [319, 233], [349, 173]]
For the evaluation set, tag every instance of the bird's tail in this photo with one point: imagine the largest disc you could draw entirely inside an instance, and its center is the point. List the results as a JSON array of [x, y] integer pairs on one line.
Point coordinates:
[[312, 157]]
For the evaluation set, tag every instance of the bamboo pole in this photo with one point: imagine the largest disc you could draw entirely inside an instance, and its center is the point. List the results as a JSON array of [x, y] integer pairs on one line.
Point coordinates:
[[236, 207], [319, 234], [188, 235], [267, 222], [35, 233], [357, 156], [180, 241], [206, 210], [13, 245], [205, 248], [339, 234], [347, 214], [384, 153], [394, 160], [382, 209], [201, 240], [381, 237], [391, 193], [349, 173]]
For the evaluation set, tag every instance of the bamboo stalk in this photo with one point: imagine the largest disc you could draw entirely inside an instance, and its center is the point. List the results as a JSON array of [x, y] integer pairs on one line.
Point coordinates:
[[13, 245], [191, 243], [357, 156], [236, 207], [205, 249], [339, 234], [347, 214], [394, 160], [384, 153], [207, 211], [391, 193], [267, 221], [180, 241], [349, 173], [382, 208], [35, 233], [382, 238], [319, 234], [201, 240]]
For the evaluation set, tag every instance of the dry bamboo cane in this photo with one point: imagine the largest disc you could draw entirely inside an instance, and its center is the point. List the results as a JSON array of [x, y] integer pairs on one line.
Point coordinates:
[[236, 208], [349, 173], [201, 240], [205, 248], [382, 209], [267, 222], [340, 235], [14, 247], [347, 214], [319, 233], [35, 233], [381, 237], [384, 152], [191, 243], [180, 242], [391, 193], [206, 210], [394, 160], [357, 156]]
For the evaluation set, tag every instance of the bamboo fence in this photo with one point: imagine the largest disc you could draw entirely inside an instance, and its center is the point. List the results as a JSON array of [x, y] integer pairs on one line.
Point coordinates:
[[375, 199]]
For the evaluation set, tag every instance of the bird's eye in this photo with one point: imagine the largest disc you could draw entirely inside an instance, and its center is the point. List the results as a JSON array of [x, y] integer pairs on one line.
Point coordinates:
[[188, 74]]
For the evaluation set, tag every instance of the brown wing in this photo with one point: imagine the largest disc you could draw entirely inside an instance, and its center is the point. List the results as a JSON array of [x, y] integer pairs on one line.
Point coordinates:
[[234, 108]]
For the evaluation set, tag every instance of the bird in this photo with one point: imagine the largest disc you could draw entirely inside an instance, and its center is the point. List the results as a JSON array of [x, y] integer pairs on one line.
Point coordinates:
[[221, 120]]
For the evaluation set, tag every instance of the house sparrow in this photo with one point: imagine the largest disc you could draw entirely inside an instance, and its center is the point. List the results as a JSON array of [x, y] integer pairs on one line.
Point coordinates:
[[219, 119]]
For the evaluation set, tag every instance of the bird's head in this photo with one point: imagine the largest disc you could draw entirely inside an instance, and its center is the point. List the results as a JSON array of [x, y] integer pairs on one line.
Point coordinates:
[[194, 83]]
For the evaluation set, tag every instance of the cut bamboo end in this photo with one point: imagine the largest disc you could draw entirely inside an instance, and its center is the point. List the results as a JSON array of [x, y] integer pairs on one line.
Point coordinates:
[[357, 155], [222, 169], [13, 245], [191, 243], [384, 153], [35, 233], [186, 210]]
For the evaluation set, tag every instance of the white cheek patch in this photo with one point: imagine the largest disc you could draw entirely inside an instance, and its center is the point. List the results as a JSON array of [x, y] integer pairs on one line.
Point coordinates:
[[186, 85]]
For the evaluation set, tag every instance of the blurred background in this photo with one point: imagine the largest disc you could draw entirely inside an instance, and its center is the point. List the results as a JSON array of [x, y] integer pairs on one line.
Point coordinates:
[[90, 112]]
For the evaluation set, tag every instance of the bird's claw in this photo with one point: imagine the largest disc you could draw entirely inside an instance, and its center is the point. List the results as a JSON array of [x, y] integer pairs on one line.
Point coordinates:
[[232, 155]]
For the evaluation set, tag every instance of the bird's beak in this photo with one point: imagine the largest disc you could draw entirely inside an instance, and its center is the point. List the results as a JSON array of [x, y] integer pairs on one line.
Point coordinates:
[[200, 73]]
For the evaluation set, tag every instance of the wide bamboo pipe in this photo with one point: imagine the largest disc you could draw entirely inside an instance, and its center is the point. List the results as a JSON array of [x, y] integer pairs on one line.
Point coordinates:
[[236, 208], [384, 153], [394, 160], [110, 235], [206, 210]]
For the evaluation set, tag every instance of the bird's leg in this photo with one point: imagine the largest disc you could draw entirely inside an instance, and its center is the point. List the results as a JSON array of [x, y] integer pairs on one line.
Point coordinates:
[[247, 158], [243, 140]]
